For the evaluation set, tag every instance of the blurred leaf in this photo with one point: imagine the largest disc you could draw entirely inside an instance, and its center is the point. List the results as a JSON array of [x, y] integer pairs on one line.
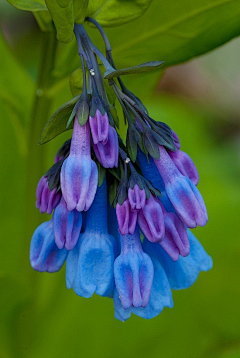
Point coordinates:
[[176, 31], [29, 5], [64, 13], [44, 20], [57, 123], [117, 12], [144, 67], [75, 81], [12, 78]]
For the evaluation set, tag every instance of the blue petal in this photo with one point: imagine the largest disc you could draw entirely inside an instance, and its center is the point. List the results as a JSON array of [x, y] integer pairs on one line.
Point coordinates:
[[184, 272], [44, 254], [160, 297], [93, 261], [133, 272]]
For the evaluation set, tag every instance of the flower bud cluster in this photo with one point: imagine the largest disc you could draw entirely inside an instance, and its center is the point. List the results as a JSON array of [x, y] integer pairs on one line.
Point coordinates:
[[121, 213]]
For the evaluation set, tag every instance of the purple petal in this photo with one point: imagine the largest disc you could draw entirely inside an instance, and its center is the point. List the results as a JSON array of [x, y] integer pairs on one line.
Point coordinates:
[[79, 179], [126, 218], [47, 199], [136, 197], [182, 193], [185, 165], [133, 272], [175, 241], [99, 125], [67, 226], [150, 220], [107, 153]]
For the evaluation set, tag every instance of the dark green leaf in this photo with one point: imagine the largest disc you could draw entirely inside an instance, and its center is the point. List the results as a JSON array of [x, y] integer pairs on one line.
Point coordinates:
[[64, 150], [122, 192], [144, 67], [131, 145], [101, 173], [57, 123], [83, 112], [150, 144], [53, 175], [114, 115], [113, 192], [114, 172]]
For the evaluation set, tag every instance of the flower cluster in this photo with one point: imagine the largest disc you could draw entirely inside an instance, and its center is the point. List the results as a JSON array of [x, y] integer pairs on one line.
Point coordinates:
[[121, 212]]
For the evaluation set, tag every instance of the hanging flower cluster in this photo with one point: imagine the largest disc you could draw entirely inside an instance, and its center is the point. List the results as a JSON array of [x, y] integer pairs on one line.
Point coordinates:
[[121, 210]]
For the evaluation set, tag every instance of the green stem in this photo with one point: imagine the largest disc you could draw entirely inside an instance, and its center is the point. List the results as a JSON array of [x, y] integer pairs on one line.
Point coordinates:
[[36, 154]]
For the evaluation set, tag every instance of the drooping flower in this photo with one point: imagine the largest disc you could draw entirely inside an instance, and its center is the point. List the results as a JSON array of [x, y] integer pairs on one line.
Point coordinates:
[[183, 194], [175, 241], [150, 220], [136, 197], [44, 254], [160, 297], [47, 199], [127, 239], [99, 125], [79, 174], [90, 263], [107, 152], [185, 165], [133, 272], [67, 226], [126, 217]]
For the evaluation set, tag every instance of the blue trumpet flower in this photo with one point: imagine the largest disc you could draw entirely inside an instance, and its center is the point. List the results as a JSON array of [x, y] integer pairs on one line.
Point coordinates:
[[90, 263], [44, 254]]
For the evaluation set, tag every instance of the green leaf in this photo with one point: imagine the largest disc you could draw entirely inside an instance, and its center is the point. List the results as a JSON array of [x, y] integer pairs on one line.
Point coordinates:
[[144, 67], [63, 17], [101, 173], [83, 112], [64, 13], [176, 31], [57, 123], [117, 12], [80, 9], [29, 5], [76, 81]]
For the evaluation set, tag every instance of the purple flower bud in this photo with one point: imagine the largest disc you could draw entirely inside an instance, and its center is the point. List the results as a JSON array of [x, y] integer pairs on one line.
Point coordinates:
[[47, 199], [99, 125], [136, 197], [107, 153], [182, 193], [44, 254], [133, 272], [126, 218], [175, 241], [185, 165], [79, 174], [150, 220], [66, 225]]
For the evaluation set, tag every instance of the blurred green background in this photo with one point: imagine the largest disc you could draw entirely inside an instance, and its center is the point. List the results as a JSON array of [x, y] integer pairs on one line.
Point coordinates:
[[200, 101]]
